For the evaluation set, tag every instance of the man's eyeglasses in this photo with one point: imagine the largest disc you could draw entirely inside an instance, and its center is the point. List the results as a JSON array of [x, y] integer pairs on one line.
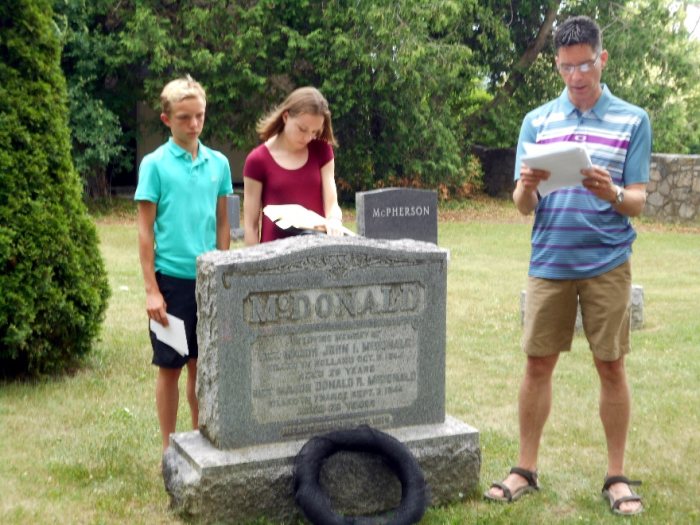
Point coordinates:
[[568, 69]]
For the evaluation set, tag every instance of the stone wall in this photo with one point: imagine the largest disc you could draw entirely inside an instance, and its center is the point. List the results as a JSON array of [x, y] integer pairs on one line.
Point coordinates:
[[673, 189]]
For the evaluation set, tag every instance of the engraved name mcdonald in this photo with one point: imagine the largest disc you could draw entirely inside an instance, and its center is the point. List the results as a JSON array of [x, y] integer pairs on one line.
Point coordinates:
[[352, 302]]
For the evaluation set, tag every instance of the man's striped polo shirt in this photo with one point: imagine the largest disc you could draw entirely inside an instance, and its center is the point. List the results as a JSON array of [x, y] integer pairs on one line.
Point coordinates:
[[577, 235]]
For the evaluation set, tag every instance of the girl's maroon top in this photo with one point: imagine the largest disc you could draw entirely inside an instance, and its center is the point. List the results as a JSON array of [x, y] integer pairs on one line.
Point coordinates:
[[282, 186]]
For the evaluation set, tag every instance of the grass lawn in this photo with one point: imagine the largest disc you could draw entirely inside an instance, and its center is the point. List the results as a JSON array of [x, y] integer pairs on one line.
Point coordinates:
[[86, 448]]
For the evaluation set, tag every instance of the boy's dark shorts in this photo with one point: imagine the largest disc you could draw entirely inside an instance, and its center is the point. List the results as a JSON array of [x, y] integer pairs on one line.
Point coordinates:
[[179, 295]]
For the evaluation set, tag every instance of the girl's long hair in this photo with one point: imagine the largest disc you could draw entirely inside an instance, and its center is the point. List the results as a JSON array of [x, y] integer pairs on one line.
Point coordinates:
[[302, 100]]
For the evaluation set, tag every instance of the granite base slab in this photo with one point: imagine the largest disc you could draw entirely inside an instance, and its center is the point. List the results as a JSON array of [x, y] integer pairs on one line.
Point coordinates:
[[242, 485]]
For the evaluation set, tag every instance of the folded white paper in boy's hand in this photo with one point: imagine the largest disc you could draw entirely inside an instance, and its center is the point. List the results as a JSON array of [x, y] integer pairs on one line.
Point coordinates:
[[173, 334], [296, 216], [563, 160]]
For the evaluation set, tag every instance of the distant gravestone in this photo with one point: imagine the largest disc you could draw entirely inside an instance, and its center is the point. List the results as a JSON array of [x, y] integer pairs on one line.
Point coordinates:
[[309, 334], [397, 213], [233, 207]]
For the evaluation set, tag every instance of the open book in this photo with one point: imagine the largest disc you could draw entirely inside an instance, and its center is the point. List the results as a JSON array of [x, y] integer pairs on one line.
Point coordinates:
[[288, 216], [564, 161]]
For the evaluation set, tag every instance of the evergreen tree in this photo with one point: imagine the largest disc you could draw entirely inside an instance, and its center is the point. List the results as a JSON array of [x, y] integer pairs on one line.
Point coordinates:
[[53, 285]]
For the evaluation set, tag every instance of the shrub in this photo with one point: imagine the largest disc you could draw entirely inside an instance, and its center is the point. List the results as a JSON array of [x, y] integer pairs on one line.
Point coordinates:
[[465, 183], [53, 285]]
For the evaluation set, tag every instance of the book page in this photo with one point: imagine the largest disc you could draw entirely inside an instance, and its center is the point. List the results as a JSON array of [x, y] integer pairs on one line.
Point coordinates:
[[296, 216], [293, 215]]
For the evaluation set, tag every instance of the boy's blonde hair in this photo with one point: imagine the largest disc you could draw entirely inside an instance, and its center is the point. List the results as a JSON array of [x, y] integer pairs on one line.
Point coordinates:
[[178, 90], [307, 100]]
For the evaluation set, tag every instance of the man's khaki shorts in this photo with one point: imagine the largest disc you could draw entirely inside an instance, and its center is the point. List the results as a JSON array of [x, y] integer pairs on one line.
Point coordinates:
[[550, 314]]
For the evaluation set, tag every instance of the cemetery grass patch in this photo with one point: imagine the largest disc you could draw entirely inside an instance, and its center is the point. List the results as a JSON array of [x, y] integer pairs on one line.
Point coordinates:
[[86, 448]]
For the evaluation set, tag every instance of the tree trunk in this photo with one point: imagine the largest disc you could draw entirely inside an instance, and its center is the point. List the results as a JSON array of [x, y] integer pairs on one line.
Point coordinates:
[[519, 69], [97, 185]]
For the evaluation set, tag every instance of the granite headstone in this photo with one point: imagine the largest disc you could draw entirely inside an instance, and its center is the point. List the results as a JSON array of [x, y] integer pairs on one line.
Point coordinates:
[[310, 334], [233, 207], [397, 213], [313, 333]]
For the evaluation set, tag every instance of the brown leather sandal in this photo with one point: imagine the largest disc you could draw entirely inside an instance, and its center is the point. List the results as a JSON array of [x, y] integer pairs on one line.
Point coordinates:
[[615, 503], [529, 475]]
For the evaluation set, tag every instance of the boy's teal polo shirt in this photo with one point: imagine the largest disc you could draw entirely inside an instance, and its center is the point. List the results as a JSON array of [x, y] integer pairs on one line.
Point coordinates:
[[186, 193]]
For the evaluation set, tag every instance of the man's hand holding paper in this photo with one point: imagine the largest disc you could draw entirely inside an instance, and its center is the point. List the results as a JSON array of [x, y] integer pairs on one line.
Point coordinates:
[[598, 181], [530, 179], [563, 160], [554, 166], [549, 167]]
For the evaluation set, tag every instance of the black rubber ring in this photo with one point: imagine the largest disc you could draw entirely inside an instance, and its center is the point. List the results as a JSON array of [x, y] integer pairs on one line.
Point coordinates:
[[316, 504]]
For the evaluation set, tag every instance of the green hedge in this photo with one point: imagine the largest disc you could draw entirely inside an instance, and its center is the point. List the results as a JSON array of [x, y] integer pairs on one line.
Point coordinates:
[[53, 285]]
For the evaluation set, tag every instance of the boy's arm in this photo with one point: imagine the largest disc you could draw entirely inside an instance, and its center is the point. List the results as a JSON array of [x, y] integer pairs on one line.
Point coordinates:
[[252, 202], [223, 229], [155, 304]]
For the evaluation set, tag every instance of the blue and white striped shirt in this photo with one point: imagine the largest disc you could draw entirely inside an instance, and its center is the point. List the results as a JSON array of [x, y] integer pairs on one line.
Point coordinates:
[[577, 235]]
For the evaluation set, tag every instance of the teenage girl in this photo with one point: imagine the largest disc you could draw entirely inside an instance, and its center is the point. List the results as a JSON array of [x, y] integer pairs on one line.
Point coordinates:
[[293, 165]]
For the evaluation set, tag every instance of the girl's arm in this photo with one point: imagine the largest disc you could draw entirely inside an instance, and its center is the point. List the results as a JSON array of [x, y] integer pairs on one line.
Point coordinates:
[[331, 208], [252, 204]]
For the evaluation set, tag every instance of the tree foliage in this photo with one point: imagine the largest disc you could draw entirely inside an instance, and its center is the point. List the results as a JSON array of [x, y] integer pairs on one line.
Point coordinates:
[[389, 79], [103, 89], [653, 63], [53, 286], [394, 73], [412, 84]]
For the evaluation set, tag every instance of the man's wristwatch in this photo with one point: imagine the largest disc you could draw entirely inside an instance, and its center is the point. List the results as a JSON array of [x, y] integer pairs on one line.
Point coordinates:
[[619, 195]]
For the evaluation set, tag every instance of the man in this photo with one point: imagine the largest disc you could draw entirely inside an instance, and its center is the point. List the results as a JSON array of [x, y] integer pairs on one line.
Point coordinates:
[[581, 245]]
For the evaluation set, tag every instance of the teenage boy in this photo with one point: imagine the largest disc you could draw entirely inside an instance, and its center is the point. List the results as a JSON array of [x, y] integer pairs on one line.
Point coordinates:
[[181, 197]]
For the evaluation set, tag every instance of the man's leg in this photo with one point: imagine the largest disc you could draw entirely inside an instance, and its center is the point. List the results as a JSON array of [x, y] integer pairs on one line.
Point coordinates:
[[167, 399], [192, 392], [534, 404], [615, 408]]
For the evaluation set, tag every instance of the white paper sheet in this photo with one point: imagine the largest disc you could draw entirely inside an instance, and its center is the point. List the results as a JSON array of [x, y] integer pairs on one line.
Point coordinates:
[[295, 216], [564, 161], [173, 334]]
